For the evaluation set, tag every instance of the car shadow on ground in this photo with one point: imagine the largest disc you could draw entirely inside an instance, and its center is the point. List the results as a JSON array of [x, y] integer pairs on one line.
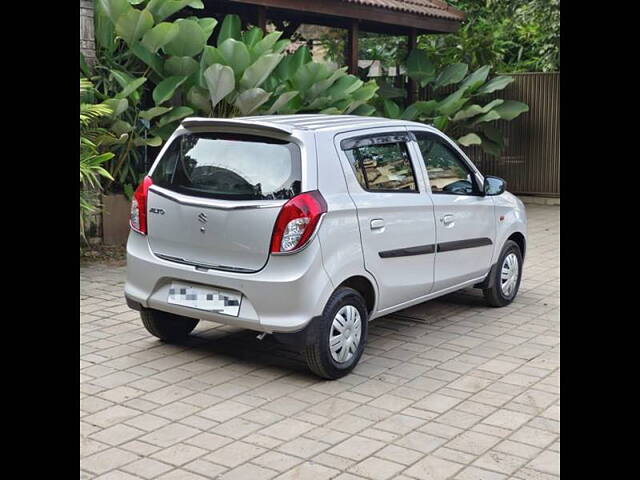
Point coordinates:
[[243, 345]]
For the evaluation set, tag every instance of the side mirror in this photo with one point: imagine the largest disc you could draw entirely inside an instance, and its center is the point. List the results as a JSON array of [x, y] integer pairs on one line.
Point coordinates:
[[494, 185]]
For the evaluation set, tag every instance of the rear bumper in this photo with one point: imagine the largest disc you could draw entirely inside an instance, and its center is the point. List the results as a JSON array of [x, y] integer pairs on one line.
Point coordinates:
[[282, 297], [132, 304]]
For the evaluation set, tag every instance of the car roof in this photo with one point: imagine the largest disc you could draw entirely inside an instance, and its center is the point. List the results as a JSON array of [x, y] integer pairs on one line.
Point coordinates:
[[310, 122]]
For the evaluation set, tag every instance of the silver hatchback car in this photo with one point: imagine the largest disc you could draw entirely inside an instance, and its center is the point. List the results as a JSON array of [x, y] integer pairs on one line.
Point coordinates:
[[308, 226]]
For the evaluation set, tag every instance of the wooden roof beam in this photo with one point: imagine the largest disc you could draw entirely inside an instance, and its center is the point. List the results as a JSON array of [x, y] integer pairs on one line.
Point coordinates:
[[338, 8]]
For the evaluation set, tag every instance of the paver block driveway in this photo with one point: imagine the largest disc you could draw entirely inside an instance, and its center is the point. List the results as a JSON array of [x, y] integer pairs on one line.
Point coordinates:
[[447, 389]]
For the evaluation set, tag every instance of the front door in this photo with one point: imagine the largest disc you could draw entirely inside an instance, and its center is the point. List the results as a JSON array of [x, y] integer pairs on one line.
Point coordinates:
[[395, 212], [465, 218]]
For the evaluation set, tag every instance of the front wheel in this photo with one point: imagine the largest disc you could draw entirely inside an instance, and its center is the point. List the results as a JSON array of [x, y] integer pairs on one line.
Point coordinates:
[[341, 335], [507, 276], [167, 326]]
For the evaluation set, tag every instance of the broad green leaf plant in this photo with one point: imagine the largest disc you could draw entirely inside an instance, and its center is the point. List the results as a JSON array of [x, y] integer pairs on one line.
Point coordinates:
[[244, 73], [466, 113], [157, 63]]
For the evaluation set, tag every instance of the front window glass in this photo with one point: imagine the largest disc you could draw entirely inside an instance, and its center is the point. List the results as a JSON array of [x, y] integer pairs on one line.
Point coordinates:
[[448, 174], [231, 167]]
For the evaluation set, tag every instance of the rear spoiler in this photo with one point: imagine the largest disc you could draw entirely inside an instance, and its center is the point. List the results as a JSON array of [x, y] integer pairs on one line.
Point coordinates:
[[191, 122]]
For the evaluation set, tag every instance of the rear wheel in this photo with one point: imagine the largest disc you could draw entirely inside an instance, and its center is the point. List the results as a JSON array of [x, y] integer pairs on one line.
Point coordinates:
[[167, 326], [507, 276], [341, 335]]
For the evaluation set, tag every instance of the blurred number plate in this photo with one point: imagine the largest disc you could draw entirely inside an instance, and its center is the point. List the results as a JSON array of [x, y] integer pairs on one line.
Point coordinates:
[[209, 299]]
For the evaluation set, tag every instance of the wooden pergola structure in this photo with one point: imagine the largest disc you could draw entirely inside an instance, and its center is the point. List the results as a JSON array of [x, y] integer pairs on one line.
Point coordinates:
[[392, 17]]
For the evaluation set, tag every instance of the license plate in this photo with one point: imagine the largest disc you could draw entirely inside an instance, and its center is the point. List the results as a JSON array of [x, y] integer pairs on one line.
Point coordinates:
[[204, 298]]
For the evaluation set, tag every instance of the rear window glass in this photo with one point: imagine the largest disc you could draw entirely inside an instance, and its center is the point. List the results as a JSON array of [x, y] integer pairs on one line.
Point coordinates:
[[383, 168], [230, 167]]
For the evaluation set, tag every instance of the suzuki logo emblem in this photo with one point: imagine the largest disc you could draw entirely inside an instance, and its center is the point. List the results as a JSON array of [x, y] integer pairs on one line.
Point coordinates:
[[202, 217]]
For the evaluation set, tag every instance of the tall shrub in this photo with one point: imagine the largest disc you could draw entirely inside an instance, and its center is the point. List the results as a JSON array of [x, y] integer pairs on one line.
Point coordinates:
[[91, 160], [465, 114], [159, 71]]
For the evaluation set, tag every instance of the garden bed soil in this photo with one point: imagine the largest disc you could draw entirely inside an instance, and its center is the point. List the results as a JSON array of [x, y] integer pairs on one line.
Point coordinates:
[[114, 255]]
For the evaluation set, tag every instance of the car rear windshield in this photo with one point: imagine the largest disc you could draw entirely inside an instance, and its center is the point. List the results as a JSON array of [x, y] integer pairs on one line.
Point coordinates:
[[230, 167]]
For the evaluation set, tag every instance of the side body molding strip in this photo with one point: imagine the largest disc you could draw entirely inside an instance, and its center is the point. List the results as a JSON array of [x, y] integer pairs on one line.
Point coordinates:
[[440, 247]]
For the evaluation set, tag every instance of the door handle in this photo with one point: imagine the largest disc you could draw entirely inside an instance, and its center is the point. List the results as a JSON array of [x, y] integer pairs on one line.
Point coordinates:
[[376, 224], [447, 219]]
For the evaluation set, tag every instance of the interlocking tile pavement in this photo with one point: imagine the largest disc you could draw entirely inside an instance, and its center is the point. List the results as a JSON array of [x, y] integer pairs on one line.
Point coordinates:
[[447, 389]]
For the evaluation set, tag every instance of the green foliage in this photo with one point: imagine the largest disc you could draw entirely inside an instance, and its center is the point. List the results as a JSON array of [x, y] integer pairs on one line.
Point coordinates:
[[510, 35], [245, 73], [156, 65], [142, 61], [91, 160], [464, 113]]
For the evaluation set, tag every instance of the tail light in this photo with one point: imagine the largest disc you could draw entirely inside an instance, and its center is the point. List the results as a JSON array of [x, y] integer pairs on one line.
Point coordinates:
[[138, 220], [297, 221]]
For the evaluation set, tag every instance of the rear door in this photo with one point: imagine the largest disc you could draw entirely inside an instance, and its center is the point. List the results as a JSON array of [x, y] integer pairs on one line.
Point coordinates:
[[395, 213], [215, 198], [465, 219]]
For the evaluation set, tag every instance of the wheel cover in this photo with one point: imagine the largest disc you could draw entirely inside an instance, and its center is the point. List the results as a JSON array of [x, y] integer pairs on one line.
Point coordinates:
[[509, 274], [344, 337]]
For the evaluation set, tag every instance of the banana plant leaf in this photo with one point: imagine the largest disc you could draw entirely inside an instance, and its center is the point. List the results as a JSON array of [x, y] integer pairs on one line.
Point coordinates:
[[230, 28], [453, 73], [497, 83], [391, 108], [131, 87], [265, 45], [199, 98], [257, 73], [510, 109], [344, 87], [420, 108], [220, 82], [159, 36], [473, 110], [364, 110], [188, 42], [469, 139], [114, 9], [452, 102], [161, 9], [177, 113], [151, 59], [154, 112], [475, 80], [236, 55], [251, 37], [292, 63], [321, 86], [420, 68], [250, 100], [166, 89], [133, 24], [281, 102], [180, 66]]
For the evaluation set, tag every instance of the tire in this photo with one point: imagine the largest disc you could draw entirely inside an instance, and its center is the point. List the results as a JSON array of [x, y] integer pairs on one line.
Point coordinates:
[[168, 327], [496, 295], [318, 353]]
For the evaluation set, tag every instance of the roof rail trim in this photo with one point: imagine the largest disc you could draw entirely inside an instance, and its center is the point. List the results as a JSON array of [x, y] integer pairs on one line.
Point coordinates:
[[191, 122]]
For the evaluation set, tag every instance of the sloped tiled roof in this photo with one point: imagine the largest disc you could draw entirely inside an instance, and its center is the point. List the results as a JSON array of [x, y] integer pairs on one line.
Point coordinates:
[[428, 8]]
